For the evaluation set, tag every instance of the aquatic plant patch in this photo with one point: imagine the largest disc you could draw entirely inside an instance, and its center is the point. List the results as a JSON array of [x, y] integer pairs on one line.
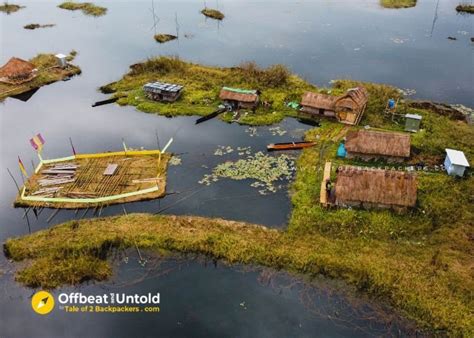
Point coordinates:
[[264, 169], [33, 26], [398, 3], [213, 13], [10, 8], [465, 8], [162, 38], [87, 8]]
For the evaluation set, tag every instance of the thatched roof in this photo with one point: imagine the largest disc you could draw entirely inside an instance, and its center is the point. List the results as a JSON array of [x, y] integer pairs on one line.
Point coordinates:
[[387, 187], [354, 99], [378, 143], [16, 67], [318, 101], [235, 94]]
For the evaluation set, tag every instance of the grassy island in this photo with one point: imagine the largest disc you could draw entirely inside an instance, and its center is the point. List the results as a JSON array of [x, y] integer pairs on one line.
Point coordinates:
[[87, 8], [213, 13], [162, 38], [10, 8], [419, 261], [398, 3], [47, 73], [465, 8], [202, 85]]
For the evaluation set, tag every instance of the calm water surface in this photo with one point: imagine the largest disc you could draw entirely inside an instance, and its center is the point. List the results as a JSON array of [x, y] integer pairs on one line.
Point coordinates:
[[319, 40]]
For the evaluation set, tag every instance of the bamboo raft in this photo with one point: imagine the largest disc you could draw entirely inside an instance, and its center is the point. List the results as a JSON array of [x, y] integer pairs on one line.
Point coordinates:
[[289, 146], [91, 180]]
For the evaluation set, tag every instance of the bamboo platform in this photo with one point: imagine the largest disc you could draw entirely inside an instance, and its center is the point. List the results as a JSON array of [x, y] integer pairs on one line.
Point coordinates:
[[86, 180]]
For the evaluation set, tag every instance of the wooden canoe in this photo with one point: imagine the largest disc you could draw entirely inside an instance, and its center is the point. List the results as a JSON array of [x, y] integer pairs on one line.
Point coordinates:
[[289, 146]]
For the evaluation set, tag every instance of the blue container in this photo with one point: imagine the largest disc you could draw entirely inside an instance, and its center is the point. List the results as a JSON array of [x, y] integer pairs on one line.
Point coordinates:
[[341, 151], [391, 103]]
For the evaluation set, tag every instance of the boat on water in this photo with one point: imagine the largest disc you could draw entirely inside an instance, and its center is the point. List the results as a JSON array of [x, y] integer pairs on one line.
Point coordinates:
[[290, 145]]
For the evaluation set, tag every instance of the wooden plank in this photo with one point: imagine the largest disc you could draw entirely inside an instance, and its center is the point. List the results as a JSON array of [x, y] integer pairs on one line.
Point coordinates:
[[111, 169], [327, 175]]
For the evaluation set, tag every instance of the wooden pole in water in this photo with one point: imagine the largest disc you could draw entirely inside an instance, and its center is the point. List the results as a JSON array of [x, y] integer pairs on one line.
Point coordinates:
[[14, 181], [72, 146]]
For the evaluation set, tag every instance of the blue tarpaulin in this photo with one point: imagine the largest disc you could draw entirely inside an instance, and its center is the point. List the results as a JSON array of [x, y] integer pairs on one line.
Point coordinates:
[[341, 151]]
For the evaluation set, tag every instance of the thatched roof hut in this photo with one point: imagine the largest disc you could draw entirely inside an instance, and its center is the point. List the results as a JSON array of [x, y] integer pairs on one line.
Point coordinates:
[[350, 107], [368, 144], [368, 187], [17, 71], [239, 98], [318, 101], [347, 108]]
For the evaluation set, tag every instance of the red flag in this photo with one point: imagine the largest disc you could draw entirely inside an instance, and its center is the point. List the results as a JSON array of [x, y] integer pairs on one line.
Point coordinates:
[[22, 167]]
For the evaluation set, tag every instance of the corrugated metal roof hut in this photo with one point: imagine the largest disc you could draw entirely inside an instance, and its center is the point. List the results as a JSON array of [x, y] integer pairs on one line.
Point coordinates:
[[239, 98], [17, 71], [366, 187], [368, 145], [347, 108], [161, 91]]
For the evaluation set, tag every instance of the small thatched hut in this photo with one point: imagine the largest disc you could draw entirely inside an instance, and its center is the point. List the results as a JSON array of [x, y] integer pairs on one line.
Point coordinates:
[[347, 108], [368, 145], [366, 187], [318, 104], [350, 107], [17, 71], [240, 98]]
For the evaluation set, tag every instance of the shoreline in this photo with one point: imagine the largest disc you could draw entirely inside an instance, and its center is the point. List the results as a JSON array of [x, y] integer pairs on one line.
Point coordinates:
[[233, 242]]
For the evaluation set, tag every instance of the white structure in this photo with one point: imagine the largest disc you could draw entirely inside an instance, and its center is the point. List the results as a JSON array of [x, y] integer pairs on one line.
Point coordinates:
[[455, 162], [62, 62]]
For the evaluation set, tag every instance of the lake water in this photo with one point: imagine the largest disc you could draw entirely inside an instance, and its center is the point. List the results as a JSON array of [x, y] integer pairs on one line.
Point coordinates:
[[319, 40]]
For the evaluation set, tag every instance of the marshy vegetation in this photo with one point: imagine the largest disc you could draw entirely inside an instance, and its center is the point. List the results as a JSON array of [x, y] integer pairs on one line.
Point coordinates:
[[162, 38], [87, 8], [202, 85], [47, 73], [398, 3], [10, 8], [33, 26], [419, 262], [213, 13], [465, 8]]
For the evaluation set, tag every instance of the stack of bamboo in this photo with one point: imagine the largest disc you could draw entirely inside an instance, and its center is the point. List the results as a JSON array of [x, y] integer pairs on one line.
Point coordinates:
[[55, 177]]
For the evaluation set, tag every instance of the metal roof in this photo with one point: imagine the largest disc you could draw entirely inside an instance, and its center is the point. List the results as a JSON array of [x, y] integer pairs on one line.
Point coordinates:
[[162, 86], [413, 116], [457, 157]]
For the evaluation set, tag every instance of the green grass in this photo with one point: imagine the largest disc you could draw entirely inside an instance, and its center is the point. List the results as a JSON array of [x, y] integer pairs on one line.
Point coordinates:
[[10, 8], [202, 85], [420, 262], [398, 3], [465, 8], [87, 8], [426, 282], [162, 38], [213, 13], [46, 75]]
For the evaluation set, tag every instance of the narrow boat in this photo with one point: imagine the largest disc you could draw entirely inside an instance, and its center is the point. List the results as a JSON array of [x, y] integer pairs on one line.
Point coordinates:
[[289, 146]]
